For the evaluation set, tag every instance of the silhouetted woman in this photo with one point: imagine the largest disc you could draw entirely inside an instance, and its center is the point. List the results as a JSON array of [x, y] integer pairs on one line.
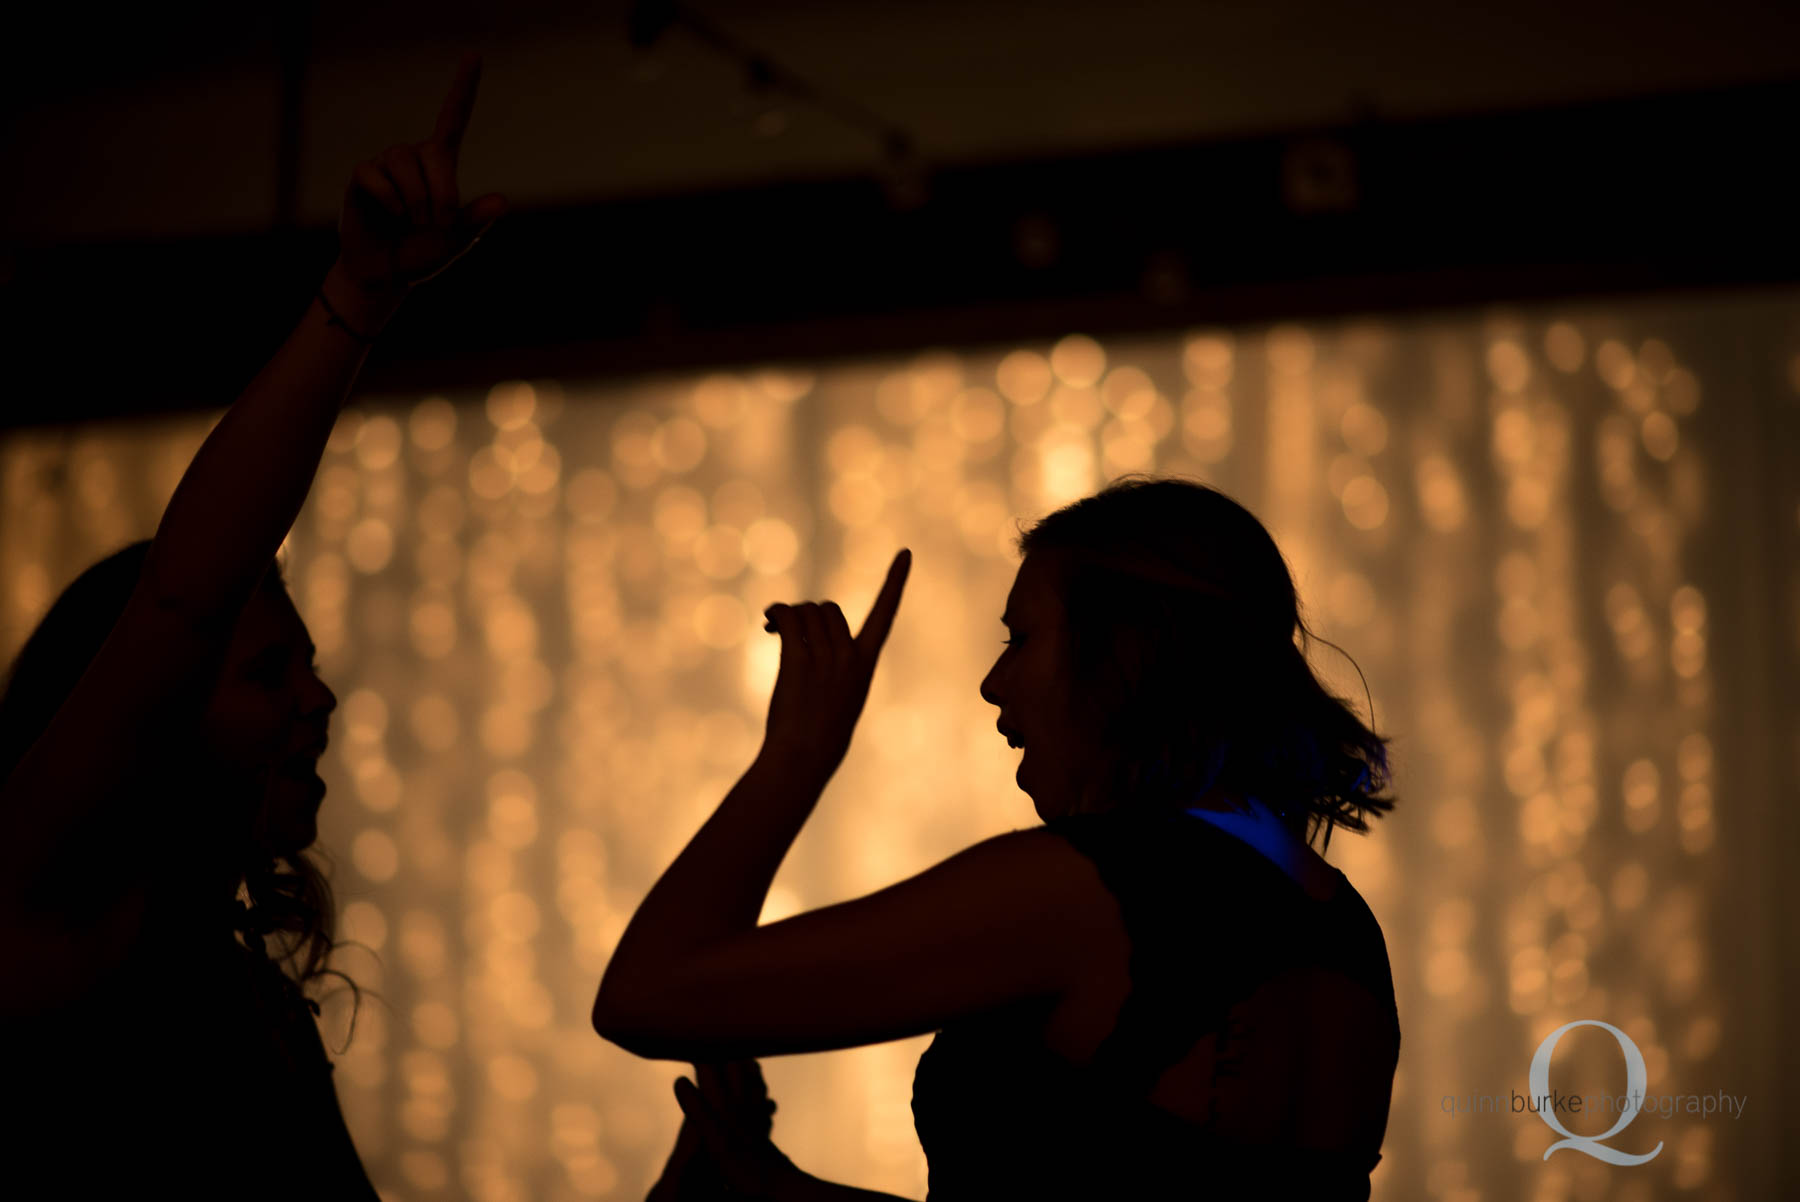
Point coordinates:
[[158, 740], [1162, 991]]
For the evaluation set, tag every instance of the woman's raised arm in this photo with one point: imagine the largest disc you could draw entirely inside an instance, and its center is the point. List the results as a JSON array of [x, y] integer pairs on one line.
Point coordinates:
[[401, 223], [695, 977]]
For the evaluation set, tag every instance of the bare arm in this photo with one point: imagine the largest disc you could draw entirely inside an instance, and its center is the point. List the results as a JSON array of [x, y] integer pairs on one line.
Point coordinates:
[[716, 887], [1014, 918], [244, 488], [217, 537], [401, 222]]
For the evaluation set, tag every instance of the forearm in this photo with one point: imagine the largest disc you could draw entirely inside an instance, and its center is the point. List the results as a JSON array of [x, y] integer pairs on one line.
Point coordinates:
[[244, 488], [718, 884]]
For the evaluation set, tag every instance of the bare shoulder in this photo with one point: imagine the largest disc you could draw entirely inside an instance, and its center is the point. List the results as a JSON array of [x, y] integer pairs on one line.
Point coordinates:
[[1094, 942], [1047, 874], [1043, 861]]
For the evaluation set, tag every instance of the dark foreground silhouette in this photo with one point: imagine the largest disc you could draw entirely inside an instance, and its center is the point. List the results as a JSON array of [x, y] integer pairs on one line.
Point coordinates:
[[159, 735]]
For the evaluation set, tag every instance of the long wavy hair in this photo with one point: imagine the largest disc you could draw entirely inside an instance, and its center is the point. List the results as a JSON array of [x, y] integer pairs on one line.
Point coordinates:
[[289, 896], [1182, 617]]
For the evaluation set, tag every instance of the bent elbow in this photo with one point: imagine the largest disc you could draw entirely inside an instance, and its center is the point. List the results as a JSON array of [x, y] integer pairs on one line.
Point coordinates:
[[609, 1017], [638, 1030], [619, 1023], [639, 1042]]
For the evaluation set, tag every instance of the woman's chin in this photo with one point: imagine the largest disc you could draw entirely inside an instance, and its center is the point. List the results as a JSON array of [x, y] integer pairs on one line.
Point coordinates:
[[292, 824]]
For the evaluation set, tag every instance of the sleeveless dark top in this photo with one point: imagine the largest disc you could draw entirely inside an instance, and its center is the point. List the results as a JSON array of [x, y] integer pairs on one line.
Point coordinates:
[[1210, 919], [194, 1072]]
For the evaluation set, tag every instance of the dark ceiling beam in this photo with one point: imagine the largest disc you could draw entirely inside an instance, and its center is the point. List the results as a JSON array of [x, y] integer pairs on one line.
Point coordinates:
[[1622, 197]]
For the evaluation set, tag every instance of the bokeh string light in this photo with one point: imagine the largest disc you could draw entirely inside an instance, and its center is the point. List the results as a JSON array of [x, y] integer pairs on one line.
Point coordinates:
[[539, 605]]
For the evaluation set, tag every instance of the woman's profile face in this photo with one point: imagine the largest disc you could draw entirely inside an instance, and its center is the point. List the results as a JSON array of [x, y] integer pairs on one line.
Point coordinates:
[[266, 724], [1030, 685]]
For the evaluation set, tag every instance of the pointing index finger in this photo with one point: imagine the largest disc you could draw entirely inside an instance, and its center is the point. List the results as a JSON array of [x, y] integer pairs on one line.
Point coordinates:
[[459, 104], [874, 632]]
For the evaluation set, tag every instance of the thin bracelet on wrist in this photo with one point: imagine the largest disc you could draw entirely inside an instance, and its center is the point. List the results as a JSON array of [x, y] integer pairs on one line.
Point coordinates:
[[334, 318]]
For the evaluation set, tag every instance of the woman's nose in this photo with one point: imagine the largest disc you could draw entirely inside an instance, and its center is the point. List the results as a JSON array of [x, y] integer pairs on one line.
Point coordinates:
[[987, 688], [319, 699]]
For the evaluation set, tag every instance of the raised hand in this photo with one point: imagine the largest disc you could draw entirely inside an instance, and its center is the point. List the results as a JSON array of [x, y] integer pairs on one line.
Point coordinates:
[[402, 220], [730, 1111], [736, 1089], [722, 1152], [824, 678]]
